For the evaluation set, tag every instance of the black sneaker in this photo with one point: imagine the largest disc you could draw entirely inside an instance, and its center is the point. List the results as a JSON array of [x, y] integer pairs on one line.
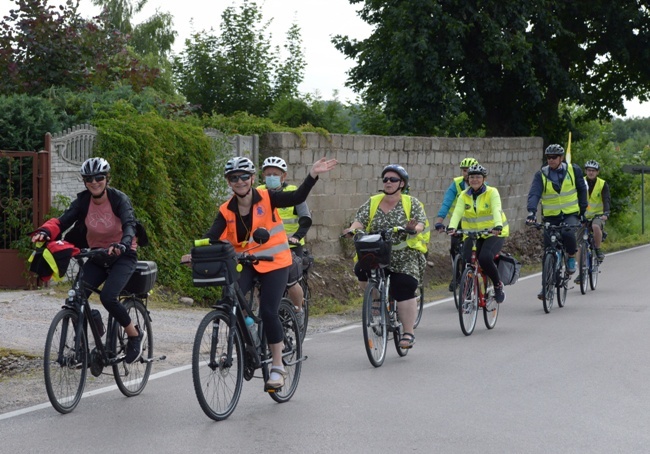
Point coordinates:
[[600, 255], [540, 295], [134, 346], [499, 294], [451, 286]]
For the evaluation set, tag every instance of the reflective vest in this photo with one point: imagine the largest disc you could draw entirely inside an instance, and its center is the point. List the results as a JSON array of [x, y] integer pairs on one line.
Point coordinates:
[[596, 205], [419, 241], [481, 218], [262, 216], [553, 204], [459, 190], [288, 215]]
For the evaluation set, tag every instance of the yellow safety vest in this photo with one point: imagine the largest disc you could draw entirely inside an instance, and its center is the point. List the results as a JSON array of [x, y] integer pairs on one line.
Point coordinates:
[[483, 217], [419, 241], [288, 215], [553, 204], [596, 205]]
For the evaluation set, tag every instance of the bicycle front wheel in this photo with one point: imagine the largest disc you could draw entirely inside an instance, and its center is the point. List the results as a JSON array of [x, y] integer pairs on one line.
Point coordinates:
[[457, 274], [562, 281], [548, 281], [491, 308], [132, 378], [64, 367], [593, 269], [217, 371], [419, 298], [375, 335], [291, 352], [584, 267], [468, 302], [305, 307]]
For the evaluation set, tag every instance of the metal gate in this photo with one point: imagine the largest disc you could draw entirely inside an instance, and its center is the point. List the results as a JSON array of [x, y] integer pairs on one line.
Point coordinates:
[[24, 202]]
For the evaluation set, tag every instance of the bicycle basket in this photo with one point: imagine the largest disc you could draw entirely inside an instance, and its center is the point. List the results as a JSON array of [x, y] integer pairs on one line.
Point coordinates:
[[214, 265], [372, 251], [509, 268]]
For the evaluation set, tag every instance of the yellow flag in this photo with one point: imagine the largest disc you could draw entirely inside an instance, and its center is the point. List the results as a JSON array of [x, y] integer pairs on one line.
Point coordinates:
[[568, 150]]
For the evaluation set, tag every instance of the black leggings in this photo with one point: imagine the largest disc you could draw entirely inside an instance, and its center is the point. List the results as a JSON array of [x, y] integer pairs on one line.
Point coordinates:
[[486, 249], [114, 277], [402, 286], [272, 288]]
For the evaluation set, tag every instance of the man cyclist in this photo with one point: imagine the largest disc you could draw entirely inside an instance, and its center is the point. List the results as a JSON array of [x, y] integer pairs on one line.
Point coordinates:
[[296, 221], [563, 193], [458, 185], [599, 204]]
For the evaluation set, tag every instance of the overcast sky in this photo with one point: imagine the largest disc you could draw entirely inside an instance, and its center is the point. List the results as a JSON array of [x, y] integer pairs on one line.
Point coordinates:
[[319, 20]]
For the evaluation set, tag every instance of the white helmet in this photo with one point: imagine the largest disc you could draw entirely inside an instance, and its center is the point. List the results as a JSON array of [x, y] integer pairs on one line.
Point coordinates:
[[274, 161], [95, 166], [239, 164]]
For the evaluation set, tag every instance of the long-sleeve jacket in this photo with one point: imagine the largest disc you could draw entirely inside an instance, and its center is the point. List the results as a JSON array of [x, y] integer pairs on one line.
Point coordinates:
[[556, 178]]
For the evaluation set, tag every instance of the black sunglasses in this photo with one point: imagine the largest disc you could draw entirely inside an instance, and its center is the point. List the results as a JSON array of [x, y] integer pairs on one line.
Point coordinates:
[[236, 178], [391, 179], [97, 178], [553, 157]]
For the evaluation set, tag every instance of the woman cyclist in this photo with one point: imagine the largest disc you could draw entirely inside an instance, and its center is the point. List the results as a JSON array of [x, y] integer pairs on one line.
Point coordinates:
[[391, 209], [248, 209], [479, 208]]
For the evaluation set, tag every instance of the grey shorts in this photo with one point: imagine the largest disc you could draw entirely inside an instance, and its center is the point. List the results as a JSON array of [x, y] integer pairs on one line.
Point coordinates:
[[295, 270]]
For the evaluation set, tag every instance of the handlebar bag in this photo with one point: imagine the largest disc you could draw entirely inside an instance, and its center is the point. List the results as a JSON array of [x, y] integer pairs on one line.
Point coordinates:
[[372, 251], [509, 268], [214, 265]]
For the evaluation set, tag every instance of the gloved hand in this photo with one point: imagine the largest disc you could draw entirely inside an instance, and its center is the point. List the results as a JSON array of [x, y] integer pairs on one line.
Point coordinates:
[[440, 227], [450, 231], [118, 249], [496, 230], [531, 219]]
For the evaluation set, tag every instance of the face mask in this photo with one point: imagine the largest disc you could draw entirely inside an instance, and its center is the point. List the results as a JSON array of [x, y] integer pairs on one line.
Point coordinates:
[[272, 181]]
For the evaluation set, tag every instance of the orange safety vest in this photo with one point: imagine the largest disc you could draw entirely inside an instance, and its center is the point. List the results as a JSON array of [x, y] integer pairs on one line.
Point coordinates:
[[263, 216]]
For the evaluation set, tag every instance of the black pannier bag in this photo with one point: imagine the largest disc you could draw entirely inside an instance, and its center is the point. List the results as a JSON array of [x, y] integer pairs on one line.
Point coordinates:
[[509, 268], [143, 278], [214, 265], [372, 251]]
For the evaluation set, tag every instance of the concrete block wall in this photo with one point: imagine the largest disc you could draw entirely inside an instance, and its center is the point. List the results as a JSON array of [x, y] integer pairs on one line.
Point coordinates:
[[431, 162]]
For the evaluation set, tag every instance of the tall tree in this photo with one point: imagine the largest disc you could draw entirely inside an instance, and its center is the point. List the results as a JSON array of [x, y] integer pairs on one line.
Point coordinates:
[[506, 64]]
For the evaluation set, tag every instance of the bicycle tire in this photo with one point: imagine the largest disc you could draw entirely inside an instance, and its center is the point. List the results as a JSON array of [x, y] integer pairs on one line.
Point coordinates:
[[548, 281], [64, 369], [457, 273], [375, 335], [131, 379], [468, 302], [305, 306], [419, 298], [491, 308], [291, 352], [217, 383], [593, 270], [584, 267], [562, 281], [397, 334]]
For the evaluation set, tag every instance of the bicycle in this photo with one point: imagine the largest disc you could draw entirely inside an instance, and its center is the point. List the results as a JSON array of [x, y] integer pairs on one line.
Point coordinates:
[[589, 263], [68, 355], [457, 267], [555, 277], [225, 352], [379, 311], [475, 289]]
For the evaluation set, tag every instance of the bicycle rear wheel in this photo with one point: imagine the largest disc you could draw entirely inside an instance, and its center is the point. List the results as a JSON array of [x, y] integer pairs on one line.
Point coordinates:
[[593, 269], [584, 267], [217, 375], [457, 273], [291, 352], [375, 335], [64, 368], [305, 307], [548, 281], [491, 308], [419, 298], [562, 282], [468, 302], [132, 378]]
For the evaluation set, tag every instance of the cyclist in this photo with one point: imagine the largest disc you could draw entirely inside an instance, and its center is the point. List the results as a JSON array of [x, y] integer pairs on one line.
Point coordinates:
[[103, 218], [563, 192], [458, 185], [245, 211], [296, 220], [599, 204], [390, 209], [479, 208]]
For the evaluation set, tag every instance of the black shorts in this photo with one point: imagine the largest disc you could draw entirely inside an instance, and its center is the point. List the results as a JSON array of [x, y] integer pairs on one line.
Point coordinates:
[[295, 270]]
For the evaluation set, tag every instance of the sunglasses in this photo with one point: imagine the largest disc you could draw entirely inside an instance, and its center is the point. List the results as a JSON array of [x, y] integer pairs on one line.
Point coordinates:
[[553, 157], [392, 179], [236, 178], [96, 178]]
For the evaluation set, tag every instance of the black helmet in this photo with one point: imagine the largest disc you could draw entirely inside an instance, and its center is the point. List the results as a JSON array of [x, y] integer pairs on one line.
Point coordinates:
[[554, 149], [399, 170], [95, 166], [239, 164], [477, 169], [591, 164]]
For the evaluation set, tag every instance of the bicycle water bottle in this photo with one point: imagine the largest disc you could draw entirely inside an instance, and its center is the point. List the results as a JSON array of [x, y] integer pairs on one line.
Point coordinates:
[[252, 328]]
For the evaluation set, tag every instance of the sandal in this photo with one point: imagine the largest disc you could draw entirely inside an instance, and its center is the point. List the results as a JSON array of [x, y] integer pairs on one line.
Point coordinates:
[[272, 385], [407, 341]]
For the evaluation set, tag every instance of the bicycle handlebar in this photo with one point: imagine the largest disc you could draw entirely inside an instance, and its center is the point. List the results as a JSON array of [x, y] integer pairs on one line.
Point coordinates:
[[396, 229], [547, 225], [472, 233]]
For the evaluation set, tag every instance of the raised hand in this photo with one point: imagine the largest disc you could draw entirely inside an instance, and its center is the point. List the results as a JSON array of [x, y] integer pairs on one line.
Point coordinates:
[[323, 165]]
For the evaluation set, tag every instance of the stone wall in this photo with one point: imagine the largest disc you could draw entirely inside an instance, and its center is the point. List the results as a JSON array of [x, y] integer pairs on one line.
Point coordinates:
[[431, 162]]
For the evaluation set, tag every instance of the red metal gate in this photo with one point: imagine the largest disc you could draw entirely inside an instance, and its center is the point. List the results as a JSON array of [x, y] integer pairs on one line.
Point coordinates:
[[24, 201]]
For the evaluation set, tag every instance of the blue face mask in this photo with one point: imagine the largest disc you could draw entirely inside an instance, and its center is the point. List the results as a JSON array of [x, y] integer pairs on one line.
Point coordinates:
[[272, 181]]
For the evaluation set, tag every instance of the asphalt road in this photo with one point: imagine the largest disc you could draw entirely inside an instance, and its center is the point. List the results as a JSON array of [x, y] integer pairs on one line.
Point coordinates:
[[571, 381]]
